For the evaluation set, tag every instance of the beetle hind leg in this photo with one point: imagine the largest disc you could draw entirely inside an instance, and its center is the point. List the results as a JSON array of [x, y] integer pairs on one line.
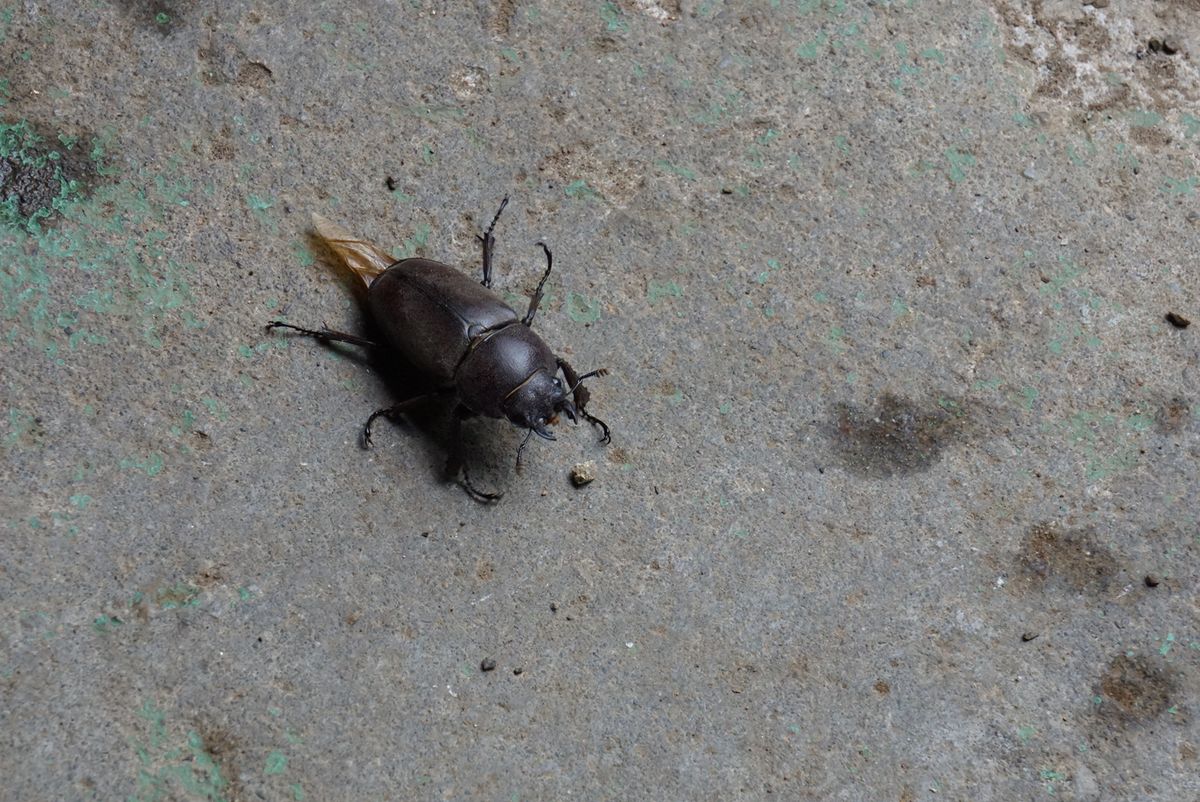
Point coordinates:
[[392, 413], [325, 334]]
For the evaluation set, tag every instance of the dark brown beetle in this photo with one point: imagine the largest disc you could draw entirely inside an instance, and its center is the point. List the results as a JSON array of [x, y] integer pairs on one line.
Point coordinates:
[[468, 341]]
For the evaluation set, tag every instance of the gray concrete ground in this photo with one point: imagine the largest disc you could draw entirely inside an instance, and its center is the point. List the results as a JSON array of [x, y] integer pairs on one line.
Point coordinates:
[[901, 502]]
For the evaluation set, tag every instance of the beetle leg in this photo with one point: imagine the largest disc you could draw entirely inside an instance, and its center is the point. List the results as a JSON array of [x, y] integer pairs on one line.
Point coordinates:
[[521, 448], [537, 295], [581, 396], [325, 335], [489, 242], [391, 413], [458, 459]]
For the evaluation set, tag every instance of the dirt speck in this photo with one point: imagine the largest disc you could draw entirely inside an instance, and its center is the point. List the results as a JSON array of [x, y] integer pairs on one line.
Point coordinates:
[[584, 473], [255, 74]]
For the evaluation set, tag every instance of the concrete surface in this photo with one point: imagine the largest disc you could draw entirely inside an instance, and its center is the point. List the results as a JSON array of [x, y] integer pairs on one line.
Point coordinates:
[[901, 502]]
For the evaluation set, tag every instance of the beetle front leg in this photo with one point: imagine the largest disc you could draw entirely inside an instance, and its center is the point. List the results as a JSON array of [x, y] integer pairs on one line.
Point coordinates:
[[582, 396], [325, 334], [458, 459], [537, 295]]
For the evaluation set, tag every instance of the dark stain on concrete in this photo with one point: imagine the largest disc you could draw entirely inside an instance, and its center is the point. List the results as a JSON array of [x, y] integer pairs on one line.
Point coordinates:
[[895, 436], [1066, 560], [39, 174], [1137, 689], [1173, 415]]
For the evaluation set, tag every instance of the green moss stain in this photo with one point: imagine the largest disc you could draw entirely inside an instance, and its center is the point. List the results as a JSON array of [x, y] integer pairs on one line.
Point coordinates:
[[174, 766], [180, 594], [151, 465], [36, 181], [958, 162], [1180, 186], [20, 423], [104, 624], [682, 172], [276, 763], [1144, 119], [656, 291], [610, 14], [102, 257], [582, 309], [579, 189], [412, 245]]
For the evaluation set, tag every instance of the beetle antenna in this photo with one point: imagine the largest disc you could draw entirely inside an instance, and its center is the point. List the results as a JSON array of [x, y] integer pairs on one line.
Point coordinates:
[[521, 448]]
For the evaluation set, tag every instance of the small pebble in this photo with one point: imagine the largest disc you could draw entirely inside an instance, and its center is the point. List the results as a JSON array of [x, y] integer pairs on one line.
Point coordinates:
[[1030, 173], [1155, 45], [1028, 636], [584, 473], [1170, 45], [1177, 320], [1152, 580], [488, 664], [1096, 3], [518, 671]]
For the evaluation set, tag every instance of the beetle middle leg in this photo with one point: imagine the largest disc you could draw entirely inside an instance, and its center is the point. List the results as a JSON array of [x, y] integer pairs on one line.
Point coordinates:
[[458, 459], [325, 334], [393, 412], [581, 396], [489, 242]]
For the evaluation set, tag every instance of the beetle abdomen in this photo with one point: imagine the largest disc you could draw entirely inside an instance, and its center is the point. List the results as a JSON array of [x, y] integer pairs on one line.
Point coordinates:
[[429, 312]]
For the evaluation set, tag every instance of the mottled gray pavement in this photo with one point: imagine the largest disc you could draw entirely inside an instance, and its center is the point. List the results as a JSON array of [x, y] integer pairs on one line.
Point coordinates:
[[901, 502]]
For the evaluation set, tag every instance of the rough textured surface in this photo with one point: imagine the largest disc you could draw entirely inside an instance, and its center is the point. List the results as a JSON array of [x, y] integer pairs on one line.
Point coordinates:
[[899, 423]]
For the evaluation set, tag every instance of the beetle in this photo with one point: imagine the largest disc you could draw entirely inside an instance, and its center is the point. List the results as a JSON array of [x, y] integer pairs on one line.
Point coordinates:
[[470, 343]]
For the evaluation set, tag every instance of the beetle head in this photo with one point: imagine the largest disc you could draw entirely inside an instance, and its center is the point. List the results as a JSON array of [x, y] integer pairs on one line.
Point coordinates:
[[537, 401]]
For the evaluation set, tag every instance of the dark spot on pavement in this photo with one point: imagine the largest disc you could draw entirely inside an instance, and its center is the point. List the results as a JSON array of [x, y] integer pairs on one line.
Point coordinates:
[[1072, 560], [39, 174], [1173, 415], [1136, 689], [894, 436]]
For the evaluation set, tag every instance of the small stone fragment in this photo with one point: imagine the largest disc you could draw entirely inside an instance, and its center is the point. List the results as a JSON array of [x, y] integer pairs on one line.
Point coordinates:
[[488, 664], [584, 473], [1177, 320], [1152, 580], [1155, 45], [1096, 3], [1028, 636], [518, 671], [1170, 45], [1030, 173]]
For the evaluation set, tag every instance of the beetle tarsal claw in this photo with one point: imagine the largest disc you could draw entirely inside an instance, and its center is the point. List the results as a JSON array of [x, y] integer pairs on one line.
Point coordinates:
[[544, 433]]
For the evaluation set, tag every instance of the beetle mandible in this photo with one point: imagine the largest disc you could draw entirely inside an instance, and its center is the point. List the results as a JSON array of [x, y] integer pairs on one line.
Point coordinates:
[[467, 340]]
